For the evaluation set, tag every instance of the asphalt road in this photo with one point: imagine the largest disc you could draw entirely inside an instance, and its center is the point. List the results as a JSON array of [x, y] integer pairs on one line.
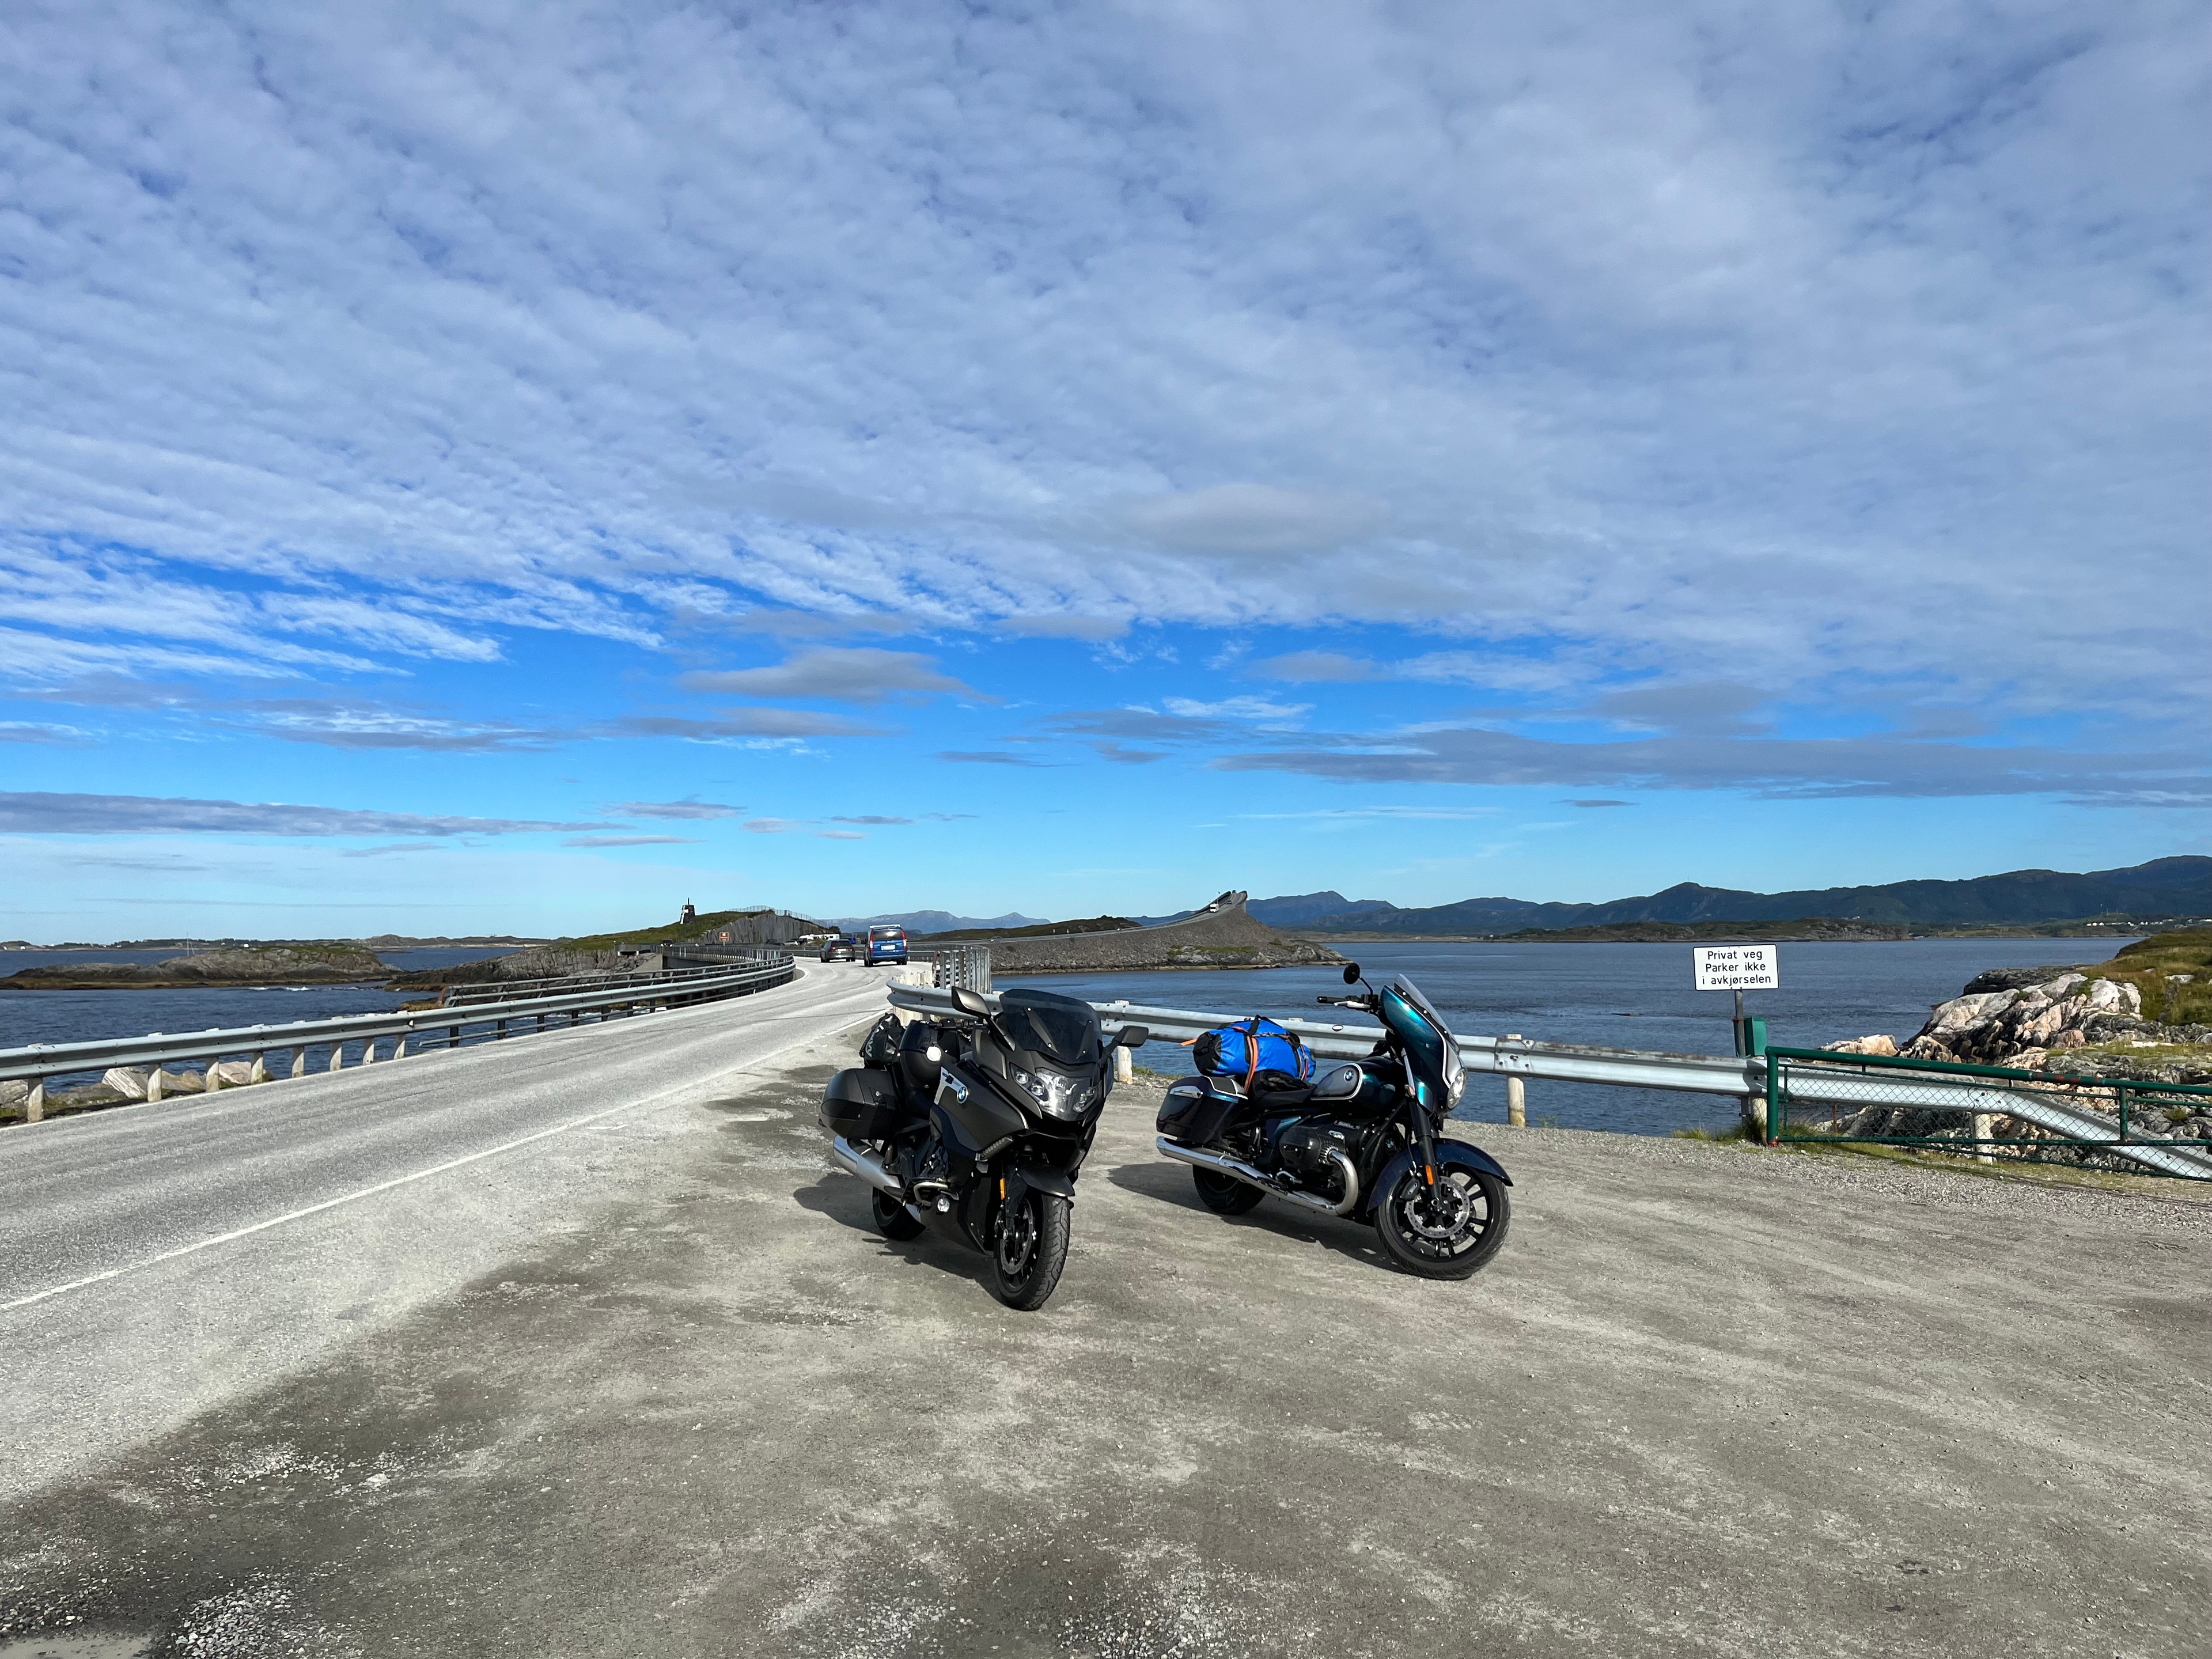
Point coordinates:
[[158, 1260], [1709, 1400]]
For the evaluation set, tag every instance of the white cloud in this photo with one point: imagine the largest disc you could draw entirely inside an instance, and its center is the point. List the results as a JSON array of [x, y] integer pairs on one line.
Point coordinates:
[[1814, 343]]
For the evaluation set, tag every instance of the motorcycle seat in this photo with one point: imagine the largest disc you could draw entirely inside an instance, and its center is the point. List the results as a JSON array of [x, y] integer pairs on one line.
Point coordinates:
[[1278, 1091]]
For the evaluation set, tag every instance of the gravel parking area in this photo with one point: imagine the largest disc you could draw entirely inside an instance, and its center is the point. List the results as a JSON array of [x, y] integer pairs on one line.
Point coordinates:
[[1709, 1400]]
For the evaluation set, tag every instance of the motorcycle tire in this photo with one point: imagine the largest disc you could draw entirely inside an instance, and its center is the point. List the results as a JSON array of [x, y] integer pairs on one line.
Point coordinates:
[[1454, 1245], [1030, 1249], [892, 1219], [1224, 1195]]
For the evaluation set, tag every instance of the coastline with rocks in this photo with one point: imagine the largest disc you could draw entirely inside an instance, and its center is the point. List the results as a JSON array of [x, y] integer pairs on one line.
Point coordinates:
[[2068, 1027]]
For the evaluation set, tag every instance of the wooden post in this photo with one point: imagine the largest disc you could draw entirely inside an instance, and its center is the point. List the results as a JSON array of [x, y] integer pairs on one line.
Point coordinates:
[[1516, 1094], [1984, 1126], [1125, 1064], [210, 1079], [260, 1067], [337, 1055], [34, 1103], [399, 1048], [300, 1060], [154, 1084]]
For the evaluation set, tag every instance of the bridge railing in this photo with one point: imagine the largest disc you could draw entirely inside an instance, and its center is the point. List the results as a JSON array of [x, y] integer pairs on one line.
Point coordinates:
[[1811, 1079], [44, 1066]]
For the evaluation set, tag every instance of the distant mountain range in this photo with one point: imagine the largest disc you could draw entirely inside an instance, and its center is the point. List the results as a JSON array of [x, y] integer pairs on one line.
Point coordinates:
[[2173, 887], [940, 921]]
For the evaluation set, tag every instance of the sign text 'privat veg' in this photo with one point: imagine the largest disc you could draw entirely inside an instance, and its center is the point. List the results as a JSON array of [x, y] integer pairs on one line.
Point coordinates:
[[1736, 968]]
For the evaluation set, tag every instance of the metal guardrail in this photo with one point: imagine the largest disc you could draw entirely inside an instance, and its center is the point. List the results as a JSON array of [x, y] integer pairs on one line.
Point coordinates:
[[468, 993], [1891, 1102], [42, 1064], [1744, 1078], [968, 965]]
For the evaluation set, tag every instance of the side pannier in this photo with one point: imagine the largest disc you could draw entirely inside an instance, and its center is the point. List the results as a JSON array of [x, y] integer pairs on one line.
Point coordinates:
[[860, 1104]]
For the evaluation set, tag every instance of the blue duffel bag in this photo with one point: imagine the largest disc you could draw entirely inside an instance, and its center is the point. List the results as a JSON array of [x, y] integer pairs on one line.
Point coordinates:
[[1250, 1047]]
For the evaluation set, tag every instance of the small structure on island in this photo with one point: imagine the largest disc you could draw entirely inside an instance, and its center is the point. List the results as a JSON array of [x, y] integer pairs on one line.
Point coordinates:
[[689, 914]]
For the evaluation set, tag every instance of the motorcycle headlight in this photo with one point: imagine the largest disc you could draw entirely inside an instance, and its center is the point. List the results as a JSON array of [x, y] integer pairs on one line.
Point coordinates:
[[1055, 1094], [1458, 1088]]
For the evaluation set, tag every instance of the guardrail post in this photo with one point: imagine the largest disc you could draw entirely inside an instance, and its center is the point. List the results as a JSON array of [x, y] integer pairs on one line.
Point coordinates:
[[1770, 1126], [1516, 1094], [501, 1034], [454, 1037], [260, 1067], [34, 1103], [337, 1055], [300, 1060], [154, 1084], [1985, 1125], [1125, 1065], [2121, 1090], [399, 1047], [211, 1078]]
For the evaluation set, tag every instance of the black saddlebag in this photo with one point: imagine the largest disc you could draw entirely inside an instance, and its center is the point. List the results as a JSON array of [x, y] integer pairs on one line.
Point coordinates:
[[860, 1104], [1196, 1109]]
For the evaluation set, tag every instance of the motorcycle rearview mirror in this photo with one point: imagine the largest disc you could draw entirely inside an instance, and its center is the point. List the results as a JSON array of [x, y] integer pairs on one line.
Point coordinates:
[[1351, 973], [1131, 1036], [968, 1003]]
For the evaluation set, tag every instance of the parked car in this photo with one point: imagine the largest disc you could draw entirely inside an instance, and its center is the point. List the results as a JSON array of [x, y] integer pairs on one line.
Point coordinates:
[[844, 948], [886, 944]]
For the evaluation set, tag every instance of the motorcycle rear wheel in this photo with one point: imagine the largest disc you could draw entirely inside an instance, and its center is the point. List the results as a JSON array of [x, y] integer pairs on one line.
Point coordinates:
[[1455, 1240], [892, 1219], [1224, 1195], [1030, 1249]]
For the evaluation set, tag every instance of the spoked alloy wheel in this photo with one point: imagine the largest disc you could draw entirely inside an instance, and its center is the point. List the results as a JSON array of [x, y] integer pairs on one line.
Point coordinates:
[[1030, 1250], [893, 1220], [1447, 1234]]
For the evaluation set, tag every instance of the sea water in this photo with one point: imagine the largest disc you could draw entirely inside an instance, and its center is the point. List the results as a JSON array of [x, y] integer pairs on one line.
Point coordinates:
[[27, 1016], [1621, 996]]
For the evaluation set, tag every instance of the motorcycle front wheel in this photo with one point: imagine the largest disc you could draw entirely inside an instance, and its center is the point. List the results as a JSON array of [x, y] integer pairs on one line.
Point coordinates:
[[1449, 1234], [1030, 1249]]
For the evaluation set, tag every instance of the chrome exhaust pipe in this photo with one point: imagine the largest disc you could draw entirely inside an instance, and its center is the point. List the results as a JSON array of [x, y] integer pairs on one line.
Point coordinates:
[[1222, 1163], [867, 1165]]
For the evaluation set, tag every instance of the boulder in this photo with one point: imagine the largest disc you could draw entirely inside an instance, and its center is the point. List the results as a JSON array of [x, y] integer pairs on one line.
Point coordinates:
[[1885, 1047], [14, 1093], [232, 1072], [1966, 1013], [1925, 1046], [129, 1081]]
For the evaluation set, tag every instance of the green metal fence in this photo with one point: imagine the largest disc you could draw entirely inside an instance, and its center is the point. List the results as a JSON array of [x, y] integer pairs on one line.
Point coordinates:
[[1988, 1112]]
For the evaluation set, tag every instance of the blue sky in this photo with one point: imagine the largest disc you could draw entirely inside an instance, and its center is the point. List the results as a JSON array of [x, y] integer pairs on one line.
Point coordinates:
[[521, 467]]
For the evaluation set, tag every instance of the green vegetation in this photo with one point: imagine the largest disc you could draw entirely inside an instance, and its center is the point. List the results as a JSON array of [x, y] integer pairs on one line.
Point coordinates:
[[1041, 930], [2150, 964]]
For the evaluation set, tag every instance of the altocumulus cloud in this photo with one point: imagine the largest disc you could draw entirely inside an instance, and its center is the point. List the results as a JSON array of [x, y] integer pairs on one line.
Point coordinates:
[[1582, 334]]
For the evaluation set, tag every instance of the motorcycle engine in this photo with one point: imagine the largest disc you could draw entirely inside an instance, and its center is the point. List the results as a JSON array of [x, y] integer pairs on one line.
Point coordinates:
[[1304, 1148]]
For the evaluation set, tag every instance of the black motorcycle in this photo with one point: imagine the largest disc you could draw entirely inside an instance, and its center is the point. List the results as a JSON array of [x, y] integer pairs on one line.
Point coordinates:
[[1359, 1140], [976, 1127]]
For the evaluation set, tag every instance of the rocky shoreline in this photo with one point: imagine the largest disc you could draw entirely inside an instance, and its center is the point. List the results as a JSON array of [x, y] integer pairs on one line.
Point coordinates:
[[2068, 1027], [236, 968]]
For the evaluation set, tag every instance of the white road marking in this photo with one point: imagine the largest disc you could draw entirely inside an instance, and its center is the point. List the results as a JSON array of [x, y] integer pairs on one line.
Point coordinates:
[[382, 1186]]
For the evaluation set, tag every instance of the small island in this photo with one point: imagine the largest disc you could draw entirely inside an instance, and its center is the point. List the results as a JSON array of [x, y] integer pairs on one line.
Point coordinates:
[[235, 966]]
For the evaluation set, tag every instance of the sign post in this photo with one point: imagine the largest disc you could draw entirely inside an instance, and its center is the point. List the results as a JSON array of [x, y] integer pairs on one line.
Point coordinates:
[[1739, 968]]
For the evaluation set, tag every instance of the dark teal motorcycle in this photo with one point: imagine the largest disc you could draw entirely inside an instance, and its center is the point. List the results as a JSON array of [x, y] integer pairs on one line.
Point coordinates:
[[1362, 1140]]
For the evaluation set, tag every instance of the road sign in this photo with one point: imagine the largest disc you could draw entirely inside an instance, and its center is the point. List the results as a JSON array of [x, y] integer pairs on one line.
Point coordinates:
[[1736, 968]]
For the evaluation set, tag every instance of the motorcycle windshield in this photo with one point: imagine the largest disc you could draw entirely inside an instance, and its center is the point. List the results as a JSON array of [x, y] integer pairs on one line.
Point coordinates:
[[1060, 1029], [1426, 1038]]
